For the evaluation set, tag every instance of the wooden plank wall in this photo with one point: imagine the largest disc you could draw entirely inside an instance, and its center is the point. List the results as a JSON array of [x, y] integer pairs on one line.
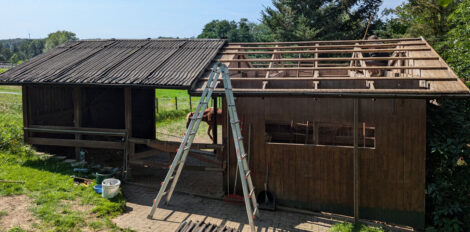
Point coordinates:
[[320, 178], [99, 108]]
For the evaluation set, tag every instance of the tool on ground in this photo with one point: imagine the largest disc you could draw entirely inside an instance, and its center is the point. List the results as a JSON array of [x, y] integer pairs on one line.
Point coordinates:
[[176, 166], [80, 180], [266, 197]]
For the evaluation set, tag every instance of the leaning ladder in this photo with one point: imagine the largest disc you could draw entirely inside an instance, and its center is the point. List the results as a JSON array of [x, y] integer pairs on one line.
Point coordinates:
[[183, 150]]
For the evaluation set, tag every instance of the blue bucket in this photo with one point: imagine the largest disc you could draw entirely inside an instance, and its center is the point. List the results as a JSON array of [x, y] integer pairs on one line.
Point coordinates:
[[98, 188]]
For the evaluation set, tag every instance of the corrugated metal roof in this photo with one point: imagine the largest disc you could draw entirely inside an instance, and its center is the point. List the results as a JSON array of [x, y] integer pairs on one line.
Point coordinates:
[[161, 63]]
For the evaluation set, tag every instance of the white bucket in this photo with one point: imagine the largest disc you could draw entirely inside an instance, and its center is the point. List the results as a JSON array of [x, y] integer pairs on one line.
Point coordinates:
[[110, 187]]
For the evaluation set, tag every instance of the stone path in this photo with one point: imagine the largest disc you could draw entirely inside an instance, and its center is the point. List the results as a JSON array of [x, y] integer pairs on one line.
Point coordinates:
[[189, 207]]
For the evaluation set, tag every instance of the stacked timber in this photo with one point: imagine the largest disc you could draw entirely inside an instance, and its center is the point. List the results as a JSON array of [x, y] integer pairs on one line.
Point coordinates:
[[200, 226]]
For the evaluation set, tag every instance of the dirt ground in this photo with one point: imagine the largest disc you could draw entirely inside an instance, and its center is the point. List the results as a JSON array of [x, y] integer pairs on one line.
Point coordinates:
[[17, 213]]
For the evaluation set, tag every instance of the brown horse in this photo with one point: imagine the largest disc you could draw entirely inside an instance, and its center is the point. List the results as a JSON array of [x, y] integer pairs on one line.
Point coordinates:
[[209, 116]]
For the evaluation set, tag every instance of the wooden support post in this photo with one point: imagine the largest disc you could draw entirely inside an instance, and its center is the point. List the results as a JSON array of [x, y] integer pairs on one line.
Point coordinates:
[[26, 118], [214, 129], [356, 159], [130, 148], [77, 117], [176, 103], [190, 104], [156, 103]]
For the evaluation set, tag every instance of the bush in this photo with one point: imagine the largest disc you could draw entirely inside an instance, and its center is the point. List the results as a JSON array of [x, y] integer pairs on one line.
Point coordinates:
[[448, 174]]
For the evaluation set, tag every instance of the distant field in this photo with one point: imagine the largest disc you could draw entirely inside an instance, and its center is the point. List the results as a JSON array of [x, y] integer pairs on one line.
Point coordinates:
[[171, 93], [10, 88], [3, 70]]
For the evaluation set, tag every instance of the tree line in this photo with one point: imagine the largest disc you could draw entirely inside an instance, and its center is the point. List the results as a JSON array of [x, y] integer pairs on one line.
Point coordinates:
[[16, 51]]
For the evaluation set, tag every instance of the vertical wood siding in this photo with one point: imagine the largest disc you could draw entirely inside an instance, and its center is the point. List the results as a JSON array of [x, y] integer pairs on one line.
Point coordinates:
[[320, 178]]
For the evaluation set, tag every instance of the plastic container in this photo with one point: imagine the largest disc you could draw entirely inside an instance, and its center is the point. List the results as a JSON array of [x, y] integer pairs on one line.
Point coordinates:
[[110, 187], [98, 188], [101, 176]]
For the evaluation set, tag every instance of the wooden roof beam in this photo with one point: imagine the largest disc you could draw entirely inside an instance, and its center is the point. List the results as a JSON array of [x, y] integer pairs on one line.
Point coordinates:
[[324, 51], [336, 78], [341, 68], [328, 59], [327, 41], [277, 47]]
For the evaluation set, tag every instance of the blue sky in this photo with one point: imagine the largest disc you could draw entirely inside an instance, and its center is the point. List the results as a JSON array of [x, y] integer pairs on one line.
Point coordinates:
[[124, 18]]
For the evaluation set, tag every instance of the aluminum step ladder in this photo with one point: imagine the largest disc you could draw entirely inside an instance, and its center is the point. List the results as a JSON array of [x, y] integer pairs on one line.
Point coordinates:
[[176, 166]]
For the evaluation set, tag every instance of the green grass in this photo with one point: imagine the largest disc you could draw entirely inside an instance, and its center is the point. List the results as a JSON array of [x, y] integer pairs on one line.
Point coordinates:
[[349, 227], [47, 181], [7, 88], [3, 213], [171, 93], [3, 70]]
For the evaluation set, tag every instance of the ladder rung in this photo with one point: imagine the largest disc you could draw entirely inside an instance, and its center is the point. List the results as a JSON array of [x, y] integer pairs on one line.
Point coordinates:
[[187, 148], [240, 138], [251, 193], [244, 156], [235, 122], [247, 174], [255, 212]]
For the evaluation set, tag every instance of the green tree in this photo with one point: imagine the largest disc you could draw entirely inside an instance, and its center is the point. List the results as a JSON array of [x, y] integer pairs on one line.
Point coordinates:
[[217, 29], [59, 37], [456, 44], [14, 58], [290, 20], [242, 31], [427, 18]]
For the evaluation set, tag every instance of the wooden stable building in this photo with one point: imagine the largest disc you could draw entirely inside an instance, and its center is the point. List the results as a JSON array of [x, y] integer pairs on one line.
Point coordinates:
[[341, 125]]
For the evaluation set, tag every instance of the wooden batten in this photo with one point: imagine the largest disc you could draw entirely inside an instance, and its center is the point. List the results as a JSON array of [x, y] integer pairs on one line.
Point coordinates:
[[316, 59], [322, 51], [325, 42], [356, 45]]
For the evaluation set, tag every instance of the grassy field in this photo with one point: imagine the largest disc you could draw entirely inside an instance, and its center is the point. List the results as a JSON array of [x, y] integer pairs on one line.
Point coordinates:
[[3, 70]]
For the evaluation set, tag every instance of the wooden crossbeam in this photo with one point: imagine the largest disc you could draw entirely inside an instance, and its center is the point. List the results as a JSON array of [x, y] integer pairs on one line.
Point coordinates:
[[76, 143], [338, 78], [75, 130], [277, 47], [327, 41], [323, 51], [327, 59], [340, 68], [342, 91]]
